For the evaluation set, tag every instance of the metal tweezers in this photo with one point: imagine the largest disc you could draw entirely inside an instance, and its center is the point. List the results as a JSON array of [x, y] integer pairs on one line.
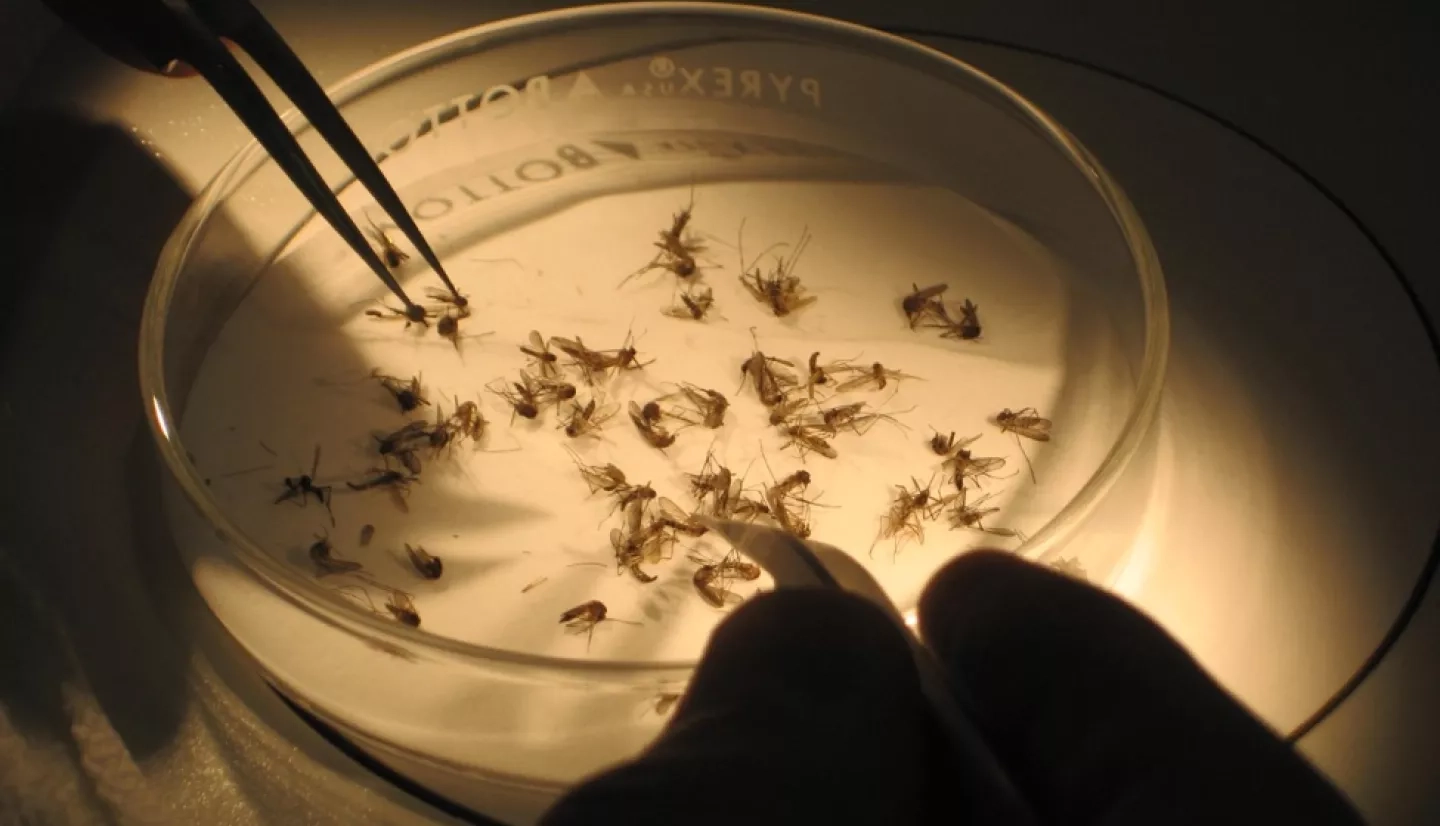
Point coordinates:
[[190, 31]]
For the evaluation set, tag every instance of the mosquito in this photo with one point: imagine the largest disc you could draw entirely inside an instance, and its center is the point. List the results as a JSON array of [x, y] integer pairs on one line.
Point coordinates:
[[322, 553], [426, 564], [789, 510], [629, 557], [965, 465], [762, 371], [415, 314], [967, 328], [712, 579], [520, 395], [583, 618], [539, 352], [591, 363], [448, 327], [694, 304], [607, 478], [397, 483], [787, 410], [854, 417], [780, 290], [1026, 422], [626, 357], [413, 434], [823, 375], [402, 608], [713, 483], [467, 422], [925, 302], [407, 392], [944, 445], [649, 427], [392, 255], [677, 249], [878, 376], [302, 487], [907, 513], [672, 516], [587, 420], [807, 439], [709, 405], [971, 515]]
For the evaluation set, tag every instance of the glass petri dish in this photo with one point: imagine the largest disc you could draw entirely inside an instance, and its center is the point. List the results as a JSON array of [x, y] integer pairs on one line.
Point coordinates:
[[543, 157]]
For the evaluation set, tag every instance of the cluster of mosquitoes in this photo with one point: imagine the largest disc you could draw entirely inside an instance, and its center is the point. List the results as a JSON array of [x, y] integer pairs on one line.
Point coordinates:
[[566, 375]]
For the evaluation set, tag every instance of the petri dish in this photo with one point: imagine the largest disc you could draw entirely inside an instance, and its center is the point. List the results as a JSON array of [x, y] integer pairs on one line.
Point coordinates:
[[546, 158]]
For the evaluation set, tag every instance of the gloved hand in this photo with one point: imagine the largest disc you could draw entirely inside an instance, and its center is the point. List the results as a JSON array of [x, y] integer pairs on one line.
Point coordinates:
[[806, 709]]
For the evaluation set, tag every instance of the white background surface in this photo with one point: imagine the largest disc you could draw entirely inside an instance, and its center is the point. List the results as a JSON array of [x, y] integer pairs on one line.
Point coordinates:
[[1343, 100]]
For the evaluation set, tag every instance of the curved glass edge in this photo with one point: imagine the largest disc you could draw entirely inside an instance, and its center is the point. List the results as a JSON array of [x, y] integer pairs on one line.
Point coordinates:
[[338, 613]]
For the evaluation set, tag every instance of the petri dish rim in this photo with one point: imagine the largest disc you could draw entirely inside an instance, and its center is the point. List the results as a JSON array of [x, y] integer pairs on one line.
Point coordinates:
[[291, 585]]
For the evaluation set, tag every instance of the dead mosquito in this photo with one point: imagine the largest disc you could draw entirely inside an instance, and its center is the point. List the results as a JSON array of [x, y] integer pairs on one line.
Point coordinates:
[[554, 391], [788, 410], [630, 554], [583, 618], [405, 440], [522, 396], [943, 445], [426, 564], [407, 392], [322, 553], [402, 608], [907, 514], [712, 579], [823, 375], [971, 515], [709, 405], [398, 603], [415, 314], [649, 427], [672, 516], [924, 303], [392, 255], [466, 422], [767, 374], [807, 439], [855, 417], [713, 482], [1026, 422], [780, 289], [607, 478], [587, 420], [458, 301], [694, 304], [539, 352], [626, 357], [677, 248], [878, 376], [590, 363], [629, 495], [965, 465], [967, 328], [790, 510], [394, 481], [302, 487]]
